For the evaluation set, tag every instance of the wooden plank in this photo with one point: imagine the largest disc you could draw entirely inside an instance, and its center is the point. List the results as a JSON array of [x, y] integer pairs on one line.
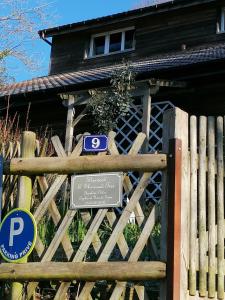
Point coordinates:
[[88, 271], [141, 292], [69, 125], [86, 216], [56, 217], [193, 199], [146, 99], [167, 134], [202, 206], [111, 216], [81, 252], [68, 143], [86, 164], [175, 125], [122, 244], [50, 195], [118, 229], [174, 220], [50, 203], [181, 132], [62, 230], [59, 235], [220, 208], [96, 242], [58, 146], [92, 231], [80, 117], [136, 147], [146, 231], [61, 153], [211, 207]]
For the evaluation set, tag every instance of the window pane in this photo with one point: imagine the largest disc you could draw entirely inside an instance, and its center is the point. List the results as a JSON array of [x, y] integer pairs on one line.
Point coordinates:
[[115, 42], [222, 21], [129, 39], [99, 45]]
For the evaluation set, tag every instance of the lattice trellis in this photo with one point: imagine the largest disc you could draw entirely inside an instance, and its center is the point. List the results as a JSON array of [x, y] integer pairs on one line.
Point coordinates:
[[113, 247], [127, 131]]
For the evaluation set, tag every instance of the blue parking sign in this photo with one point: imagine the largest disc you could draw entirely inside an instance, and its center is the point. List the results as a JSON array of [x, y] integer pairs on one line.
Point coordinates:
[[95, 143], [18, 233]]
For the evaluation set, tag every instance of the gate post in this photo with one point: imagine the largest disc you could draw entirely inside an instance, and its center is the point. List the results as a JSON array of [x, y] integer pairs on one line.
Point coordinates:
[[175, 130], [24, 198]]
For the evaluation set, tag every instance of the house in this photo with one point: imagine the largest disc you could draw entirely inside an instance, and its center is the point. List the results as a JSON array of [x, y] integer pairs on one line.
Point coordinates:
[[176, 48]]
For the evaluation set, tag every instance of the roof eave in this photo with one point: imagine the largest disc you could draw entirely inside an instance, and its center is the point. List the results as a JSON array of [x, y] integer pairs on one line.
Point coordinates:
[[123, 16]]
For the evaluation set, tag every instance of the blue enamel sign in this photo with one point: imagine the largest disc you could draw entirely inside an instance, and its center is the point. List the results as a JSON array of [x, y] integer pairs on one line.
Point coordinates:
[[18, 233], [95, 143]]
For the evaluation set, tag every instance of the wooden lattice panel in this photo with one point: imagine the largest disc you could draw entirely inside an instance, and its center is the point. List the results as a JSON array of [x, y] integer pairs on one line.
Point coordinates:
[[94, 246], [105, 231], [128, 129]]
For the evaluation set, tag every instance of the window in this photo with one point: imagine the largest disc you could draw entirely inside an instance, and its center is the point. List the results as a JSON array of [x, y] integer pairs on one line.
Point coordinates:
[[221, 23], [111, 42]]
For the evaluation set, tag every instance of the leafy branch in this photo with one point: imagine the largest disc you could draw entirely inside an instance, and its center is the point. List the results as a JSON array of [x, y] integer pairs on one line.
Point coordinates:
[[107, 105]]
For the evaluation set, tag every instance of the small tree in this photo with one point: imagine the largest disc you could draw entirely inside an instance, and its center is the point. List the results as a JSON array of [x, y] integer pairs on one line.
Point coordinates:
[[107, 105]]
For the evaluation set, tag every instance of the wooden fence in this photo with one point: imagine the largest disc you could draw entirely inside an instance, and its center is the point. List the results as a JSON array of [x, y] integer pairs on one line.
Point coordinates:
[[191, 218], [206, 267], [94, 246]]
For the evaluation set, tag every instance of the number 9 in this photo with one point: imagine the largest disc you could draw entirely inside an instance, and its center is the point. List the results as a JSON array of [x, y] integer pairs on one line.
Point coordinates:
[[95, 143]]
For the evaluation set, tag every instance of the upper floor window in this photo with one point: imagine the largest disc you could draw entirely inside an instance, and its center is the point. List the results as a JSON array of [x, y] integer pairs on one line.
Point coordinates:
[[111, 42]]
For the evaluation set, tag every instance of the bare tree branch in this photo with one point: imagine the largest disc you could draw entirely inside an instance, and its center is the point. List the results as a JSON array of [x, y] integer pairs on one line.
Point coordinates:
[[19, 22]]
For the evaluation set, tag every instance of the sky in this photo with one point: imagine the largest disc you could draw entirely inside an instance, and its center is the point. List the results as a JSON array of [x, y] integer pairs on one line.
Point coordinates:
[[65, 12], [68, 11]]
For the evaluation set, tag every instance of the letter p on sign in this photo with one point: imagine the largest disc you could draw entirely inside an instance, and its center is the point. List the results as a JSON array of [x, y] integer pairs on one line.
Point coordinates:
[[13, 230]]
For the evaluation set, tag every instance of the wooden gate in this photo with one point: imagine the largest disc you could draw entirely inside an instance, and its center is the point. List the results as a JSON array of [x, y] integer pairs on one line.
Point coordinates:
[[115, 258]]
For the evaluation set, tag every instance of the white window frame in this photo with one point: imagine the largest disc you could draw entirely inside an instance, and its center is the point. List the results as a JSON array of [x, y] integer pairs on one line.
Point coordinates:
[[221, 23], [107, 42]]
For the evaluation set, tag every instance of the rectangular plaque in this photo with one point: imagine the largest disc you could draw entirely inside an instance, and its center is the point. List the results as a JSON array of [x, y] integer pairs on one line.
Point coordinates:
[[96, 190]]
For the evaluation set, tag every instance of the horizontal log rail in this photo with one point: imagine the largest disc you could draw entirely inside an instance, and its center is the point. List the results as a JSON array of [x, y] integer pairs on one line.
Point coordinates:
[[87, 271], [86, 164]]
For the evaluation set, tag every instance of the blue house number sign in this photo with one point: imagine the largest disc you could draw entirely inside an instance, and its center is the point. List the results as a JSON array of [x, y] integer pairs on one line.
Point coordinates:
[[18, 234], [95, 143]]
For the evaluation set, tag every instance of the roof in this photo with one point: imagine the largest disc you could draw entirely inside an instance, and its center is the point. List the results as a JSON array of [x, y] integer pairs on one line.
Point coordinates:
[[65, 82], [135, 13]]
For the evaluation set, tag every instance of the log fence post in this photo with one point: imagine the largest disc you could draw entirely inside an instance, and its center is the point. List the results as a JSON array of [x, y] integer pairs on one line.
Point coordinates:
[[24, 198], [175, 127]]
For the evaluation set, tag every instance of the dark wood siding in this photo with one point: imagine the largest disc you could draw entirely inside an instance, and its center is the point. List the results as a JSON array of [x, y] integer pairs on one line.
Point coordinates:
[[154, 35]]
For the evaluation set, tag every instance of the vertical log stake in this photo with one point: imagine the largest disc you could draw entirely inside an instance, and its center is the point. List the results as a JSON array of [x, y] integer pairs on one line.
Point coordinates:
[[174, 220], [25, 197]]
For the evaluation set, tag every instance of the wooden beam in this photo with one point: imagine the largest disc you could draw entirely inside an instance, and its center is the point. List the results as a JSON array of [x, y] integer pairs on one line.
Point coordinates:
[[69, 126], [87, 271], [167, 83], [175, 126], [147, 100], [174, 220], [86, 164]]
